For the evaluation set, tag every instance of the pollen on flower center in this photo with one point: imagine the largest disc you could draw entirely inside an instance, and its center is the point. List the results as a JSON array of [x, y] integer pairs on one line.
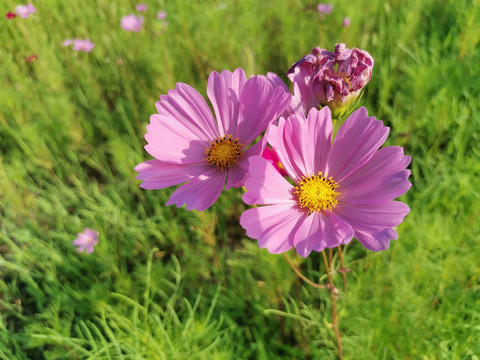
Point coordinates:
[[316, 193], [223, 152]]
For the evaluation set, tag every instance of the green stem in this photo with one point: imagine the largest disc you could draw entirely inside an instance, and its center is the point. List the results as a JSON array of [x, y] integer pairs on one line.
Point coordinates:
[[301, 276], [342, 268], [334, 307]]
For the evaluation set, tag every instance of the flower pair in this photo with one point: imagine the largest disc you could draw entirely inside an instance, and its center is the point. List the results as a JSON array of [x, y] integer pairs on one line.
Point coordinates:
[[340, 189], [21, 10]]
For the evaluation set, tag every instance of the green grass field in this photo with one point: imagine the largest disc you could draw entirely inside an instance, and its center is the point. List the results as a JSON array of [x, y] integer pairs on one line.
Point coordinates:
[[165, 283]]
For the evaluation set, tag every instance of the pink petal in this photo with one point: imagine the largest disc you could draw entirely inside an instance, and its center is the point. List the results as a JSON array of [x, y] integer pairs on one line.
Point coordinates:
[[224, 93], [308, 142], [303, 145], [186, 106], [362, 216], [302, 88], [200, 193], [296, 103], [79, 241], [275, 80], [90, 233], [265, 185], [373, 223], [272, 225], [236, 177], [260, 104], [321, 230], [237, 174], [356, 142], [275, 137], [158, 174], [376, 240], [172, 141], [382, 178]]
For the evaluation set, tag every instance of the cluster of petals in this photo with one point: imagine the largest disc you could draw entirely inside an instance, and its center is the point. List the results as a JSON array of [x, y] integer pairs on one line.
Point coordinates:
[[10, 15], [184, 129], [333, 79], [368, 180], [86, 240], [132, 23], [346, 22], [25, 10], [84, 45]]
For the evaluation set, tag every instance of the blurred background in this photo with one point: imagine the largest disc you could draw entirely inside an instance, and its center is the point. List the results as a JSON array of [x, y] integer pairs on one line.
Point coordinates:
[[165, 283]]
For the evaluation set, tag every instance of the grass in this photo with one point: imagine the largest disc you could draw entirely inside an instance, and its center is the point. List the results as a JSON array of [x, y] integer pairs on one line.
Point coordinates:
[[164, 283]]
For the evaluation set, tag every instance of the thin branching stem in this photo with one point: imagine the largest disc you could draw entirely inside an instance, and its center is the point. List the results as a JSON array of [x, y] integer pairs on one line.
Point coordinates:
[[342, 268], [334, 306], [301, 276]]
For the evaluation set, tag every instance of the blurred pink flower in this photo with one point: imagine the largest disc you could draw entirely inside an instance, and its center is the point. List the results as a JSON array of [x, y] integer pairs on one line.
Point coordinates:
[[10, 15], [161, 15], [325, 9], [25, 10], [193, 148], [141, 7], [132, 23], [346, 22], [83, 45], [86, 240], [342, 189]]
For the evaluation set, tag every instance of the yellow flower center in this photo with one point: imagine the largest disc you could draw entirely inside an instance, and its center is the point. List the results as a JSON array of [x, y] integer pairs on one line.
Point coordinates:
[[316, 193], [223, 153]]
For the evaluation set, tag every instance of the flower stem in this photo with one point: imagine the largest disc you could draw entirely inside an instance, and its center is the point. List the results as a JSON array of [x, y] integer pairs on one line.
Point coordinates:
[[334, 306], [342, 268], [301, 276]]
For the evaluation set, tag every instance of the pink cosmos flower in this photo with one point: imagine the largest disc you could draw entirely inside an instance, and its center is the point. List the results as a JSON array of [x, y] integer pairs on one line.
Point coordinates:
[[161, 15], [332, 79], [325, 8], [346, 22], [10, 15], [193, 148], [25, 10], [86, 240], [141, 7], [342, 189], [132, 23], [84, 45]]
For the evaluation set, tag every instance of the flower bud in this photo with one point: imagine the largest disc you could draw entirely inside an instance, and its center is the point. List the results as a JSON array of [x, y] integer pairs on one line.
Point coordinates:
[[333, 79]]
